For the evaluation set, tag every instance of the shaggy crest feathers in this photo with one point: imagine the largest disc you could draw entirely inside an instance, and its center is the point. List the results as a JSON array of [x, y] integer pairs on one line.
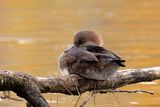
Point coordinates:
[[87, 36]]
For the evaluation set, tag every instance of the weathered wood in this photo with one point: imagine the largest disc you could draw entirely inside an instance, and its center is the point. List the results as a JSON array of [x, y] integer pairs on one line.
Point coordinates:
[[30, 88], [24, 86], [71, 83]]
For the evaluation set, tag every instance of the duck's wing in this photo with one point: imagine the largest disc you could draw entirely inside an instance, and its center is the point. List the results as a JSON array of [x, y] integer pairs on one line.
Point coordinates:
[[106, 54], [82, 55], [74, 55]]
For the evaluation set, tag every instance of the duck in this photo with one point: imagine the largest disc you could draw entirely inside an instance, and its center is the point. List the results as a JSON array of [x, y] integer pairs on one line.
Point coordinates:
[[88, 58]]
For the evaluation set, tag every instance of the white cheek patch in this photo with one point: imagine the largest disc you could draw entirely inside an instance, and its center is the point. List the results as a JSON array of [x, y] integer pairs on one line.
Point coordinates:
[[64, 71]]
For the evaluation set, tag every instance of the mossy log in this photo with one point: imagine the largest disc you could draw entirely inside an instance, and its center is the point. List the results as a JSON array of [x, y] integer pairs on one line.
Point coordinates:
[[30, 87]]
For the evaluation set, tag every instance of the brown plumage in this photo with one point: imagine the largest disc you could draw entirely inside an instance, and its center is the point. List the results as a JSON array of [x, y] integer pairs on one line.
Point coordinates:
[[88, 58], [87, 36]]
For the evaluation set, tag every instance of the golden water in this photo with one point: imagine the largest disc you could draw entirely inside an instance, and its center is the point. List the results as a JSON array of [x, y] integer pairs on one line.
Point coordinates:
[[33, 33]]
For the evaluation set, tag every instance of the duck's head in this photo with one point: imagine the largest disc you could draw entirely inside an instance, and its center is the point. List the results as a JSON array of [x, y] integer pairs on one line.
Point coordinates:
[[84, 37]]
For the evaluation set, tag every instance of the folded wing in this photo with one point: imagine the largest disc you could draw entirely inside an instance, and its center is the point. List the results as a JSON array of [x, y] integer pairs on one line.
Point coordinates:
[[102, 53]]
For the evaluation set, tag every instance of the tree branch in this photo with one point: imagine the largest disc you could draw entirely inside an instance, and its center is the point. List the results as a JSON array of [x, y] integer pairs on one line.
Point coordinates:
[[70, 83], [24, 86], [30, 88]]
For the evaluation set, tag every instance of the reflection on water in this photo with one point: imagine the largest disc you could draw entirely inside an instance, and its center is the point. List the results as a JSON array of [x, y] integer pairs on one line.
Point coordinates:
[[34, 33]]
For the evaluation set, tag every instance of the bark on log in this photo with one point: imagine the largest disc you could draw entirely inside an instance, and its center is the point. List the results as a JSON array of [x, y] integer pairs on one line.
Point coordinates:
[[24, 86], [30, 88]]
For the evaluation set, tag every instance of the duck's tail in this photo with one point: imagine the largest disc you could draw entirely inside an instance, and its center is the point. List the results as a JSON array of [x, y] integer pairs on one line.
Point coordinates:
[[121, 63]]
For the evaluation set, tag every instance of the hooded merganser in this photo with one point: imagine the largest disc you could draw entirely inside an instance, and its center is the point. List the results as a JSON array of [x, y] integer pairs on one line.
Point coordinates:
[[88, 58]]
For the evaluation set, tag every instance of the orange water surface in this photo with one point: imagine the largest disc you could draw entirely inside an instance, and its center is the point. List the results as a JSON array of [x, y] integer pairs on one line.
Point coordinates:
[[33, 33]]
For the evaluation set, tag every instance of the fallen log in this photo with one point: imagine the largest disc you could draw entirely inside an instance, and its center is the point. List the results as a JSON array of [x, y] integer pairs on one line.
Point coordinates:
[[30, 87]]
